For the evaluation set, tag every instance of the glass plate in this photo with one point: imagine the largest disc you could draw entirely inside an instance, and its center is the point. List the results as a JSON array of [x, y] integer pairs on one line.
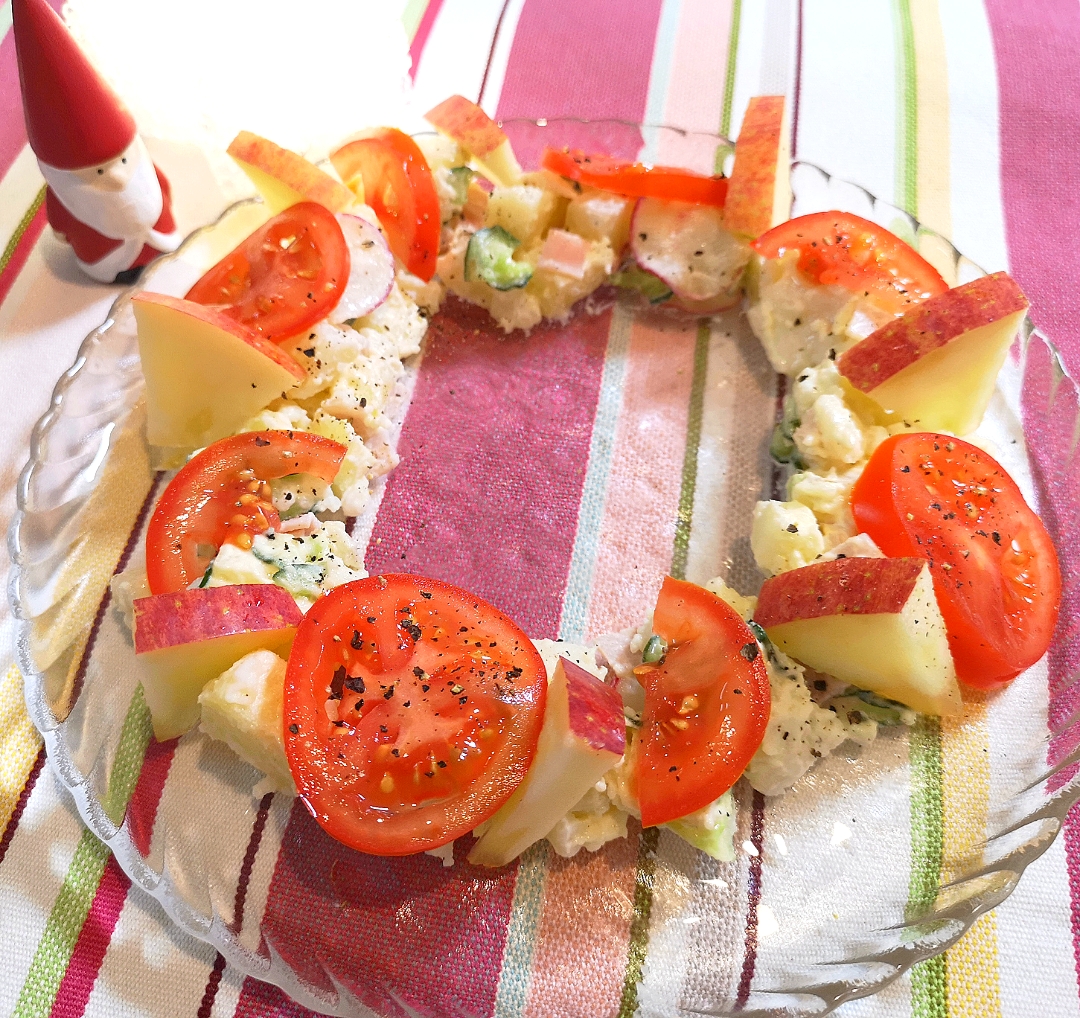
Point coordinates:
[[560, 476]]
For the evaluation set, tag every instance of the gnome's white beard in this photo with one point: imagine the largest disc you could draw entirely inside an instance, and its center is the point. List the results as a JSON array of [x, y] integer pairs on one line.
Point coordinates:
[[122, 202], [129, 212]]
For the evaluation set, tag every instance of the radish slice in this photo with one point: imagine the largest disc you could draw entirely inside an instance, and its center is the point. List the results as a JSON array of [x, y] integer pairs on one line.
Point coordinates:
[[688, 247], [564, 252], [371, 270]]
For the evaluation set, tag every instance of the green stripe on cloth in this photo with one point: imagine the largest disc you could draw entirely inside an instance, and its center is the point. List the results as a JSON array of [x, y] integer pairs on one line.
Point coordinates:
[[639, 926], [646, 861], [729, 81], [5, 18], [907, 113], [412, 16], [72, 904], [928, 996], [690, 457], [24, 224]]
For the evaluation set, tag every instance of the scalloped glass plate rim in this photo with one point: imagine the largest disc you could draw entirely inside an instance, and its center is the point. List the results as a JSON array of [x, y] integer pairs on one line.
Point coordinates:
[[933, 935]]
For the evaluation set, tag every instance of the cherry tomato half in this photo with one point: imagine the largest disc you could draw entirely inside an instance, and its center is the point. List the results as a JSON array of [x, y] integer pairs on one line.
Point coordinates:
[[847, 250], [221, 496], [996, 574], [634, 179], [412, 712], [398, 185], [285, 277], [706, 704]]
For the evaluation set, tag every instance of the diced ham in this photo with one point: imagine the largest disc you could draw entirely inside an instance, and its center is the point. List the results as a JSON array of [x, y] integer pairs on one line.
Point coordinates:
[[564, 252]]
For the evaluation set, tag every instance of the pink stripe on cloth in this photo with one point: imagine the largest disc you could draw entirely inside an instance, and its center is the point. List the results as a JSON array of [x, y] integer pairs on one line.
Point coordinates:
[[1039, 108], [12, 125], [22, 251], [142, 809], [493, 457], [579, 58], [423, 30], [642, 503], [261, 1000], [399, 933], [580, 955], [92, 943], [1039, 97]]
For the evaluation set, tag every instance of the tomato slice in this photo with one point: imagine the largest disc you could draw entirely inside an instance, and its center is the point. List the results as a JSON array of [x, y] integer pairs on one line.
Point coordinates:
[[221, 495], [412, 712], [285, 277], [995, 571], [398, 185], [634, 179], [706, 704], [847, 250]]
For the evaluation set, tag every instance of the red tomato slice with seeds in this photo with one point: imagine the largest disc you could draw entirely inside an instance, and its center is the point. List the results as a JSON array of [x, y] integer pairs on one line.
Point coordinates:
[[706, 704], [636, 180], [398, 185], [285, 277], [412, 712], [995, 570], [222, 496], [847, 250]]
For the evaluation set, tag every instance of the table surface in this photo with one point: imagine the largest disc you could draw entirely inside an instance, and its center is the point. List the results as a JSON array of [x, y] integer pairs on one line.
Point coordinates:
[[962, 111]]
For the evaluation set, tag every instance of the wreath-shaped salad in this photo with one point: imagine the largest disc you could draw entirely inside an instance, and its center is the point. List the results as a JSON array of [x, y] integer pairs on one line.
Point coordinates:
[[406, 712]]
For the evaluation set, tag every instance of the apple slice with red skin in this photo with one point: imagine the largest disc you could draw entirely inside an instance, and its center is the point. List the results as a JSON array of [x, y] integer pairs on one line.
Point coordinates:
[[206, 374], [759, 195], [185, 639], [284, 178], [461, 120], [937, 364], [584, 735], [872, 622]]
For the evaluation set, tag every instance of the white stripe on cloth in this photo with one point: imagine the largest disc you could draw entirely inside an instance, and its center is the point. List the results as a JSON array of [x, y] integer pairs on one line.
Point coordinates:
[[456, 52], [150, 965], [978, 218], [848, 92], [18, 189]]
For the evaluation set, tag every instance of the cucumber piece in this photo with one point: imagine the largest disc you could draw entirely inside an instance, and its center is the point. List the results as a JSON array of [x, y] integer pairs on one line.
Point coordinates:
[[489, 259], [460, 178], [877, 708], [300, 579], [653, 288], [654, 650], [782, 446]]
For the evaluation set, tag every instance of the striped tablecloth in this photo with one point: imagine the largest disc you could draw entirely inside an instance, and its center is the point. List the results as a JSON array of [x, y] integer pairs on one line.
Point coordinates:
[[965, 112]]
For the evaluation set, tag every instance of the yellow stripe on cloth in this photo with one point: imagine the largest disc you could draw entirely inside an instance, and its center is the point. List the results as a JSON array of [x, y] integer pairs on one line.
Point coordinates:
[[971, 966], [19, 743]]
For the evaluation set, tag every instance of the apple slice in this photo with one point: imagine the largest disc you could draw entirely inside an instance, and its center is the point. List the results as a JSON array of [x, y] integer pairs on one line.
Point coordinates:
[[872, 622], [467, 124], [584, 735], [206, 374], [284, 178], [759, 195], [937, 364], [185, 639], [689, 248]]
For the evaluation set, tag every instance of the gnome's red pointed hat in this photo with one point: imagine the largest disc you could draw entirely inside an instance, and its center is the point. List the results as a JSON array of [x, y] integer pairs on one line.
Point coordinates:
[[73, 118]]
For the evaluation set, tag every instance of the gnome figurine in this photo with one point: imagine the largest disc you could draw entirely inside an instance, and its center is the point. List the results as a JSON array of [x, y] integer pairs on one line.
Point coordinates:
[[105, 197]]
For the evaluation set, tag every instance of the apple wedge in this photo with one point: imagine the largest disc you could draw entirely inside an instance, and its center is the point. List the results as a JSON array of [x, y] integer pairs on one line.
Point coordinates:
[[584, 735], [937, 365], [872, 622], [759, 195], [467, 124], [185, 639], [184, 347], [284, 178]]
